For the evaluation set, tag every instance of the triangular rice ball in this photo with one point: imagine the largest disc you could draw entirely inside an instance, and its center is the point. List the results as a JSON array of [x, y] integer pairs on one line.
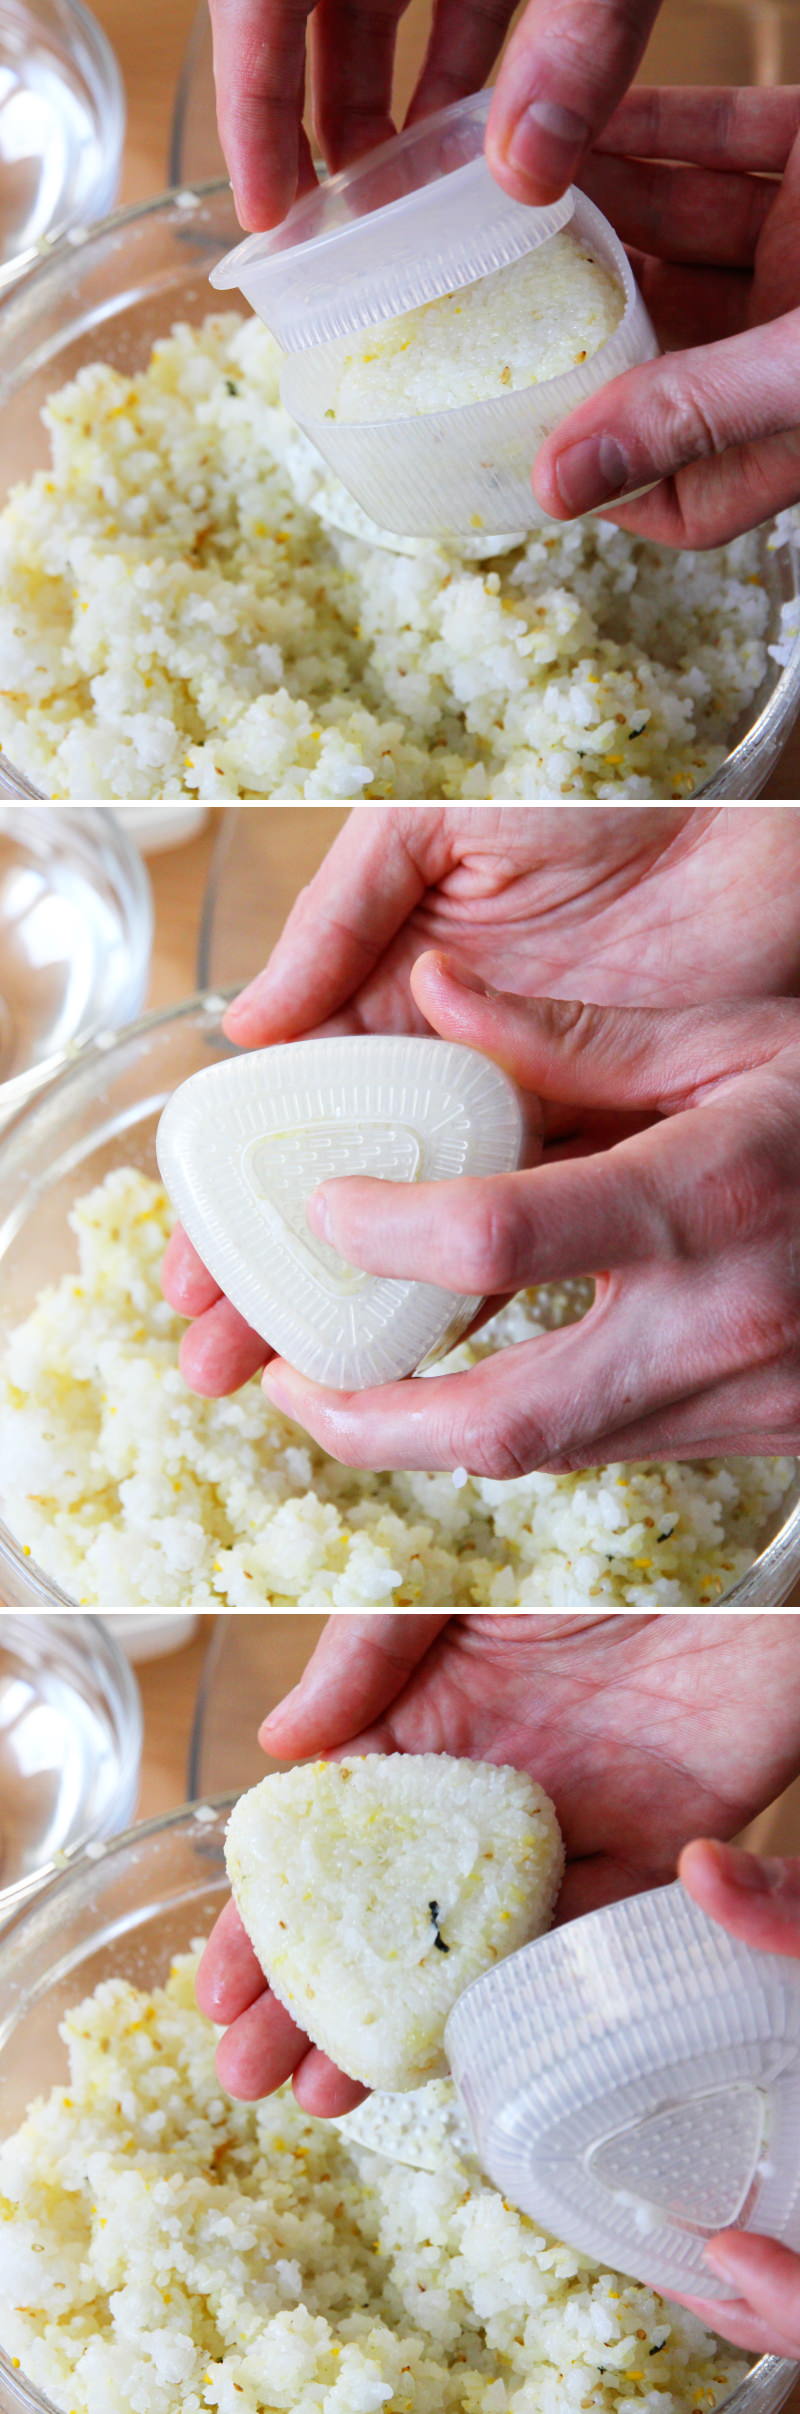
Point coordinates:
[[374, 1889]]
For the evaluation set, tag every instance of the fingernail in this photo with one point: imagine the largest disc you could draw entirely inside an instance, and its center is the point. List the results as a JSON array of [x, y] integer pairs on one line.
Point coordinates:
[[464, 978], [546, 143], [752, 1874], [246, 998], [274, 1716], [318, 1215], [592, 472], [717, 2256], [278, 1388]]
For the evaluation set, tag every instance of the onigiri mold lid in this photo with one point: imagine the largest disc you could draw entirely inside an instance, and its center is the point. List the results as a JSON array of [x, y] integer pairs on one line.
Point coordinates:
[[242, 1145], [416, 218], [632, 2081]]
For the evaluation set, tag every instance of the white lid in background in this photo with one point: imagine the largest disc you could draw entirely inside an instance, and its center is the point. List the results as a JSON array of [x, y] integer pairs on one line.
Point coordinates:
[[632, 2081], [242, 1145], [418, 217], [156, 827]]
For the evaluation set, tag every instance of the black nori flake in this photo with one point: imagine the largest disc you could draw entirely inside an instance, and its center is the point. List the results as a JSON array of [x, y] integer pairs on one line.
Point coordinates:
[[231, 385], [661, 2343], [439, 1945]]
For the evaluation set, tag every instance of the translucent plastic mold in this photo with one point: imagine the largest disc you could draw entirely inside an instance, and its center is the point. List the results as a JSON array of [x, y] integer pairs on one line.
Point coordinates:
[[242, 1145], [418, 218], [633, 2082]]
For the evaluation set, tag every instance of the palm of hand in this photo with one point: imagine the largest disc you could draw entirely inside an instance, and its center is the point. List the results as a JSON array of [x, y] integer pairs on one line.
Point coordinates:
[[659, 905], [641, 1728]]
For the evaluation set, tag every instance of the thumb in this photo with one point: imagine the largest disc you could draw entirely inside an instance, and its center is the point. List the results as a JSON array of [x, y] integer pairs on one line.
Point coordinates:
[[755, 1898], [683, 408], [603, 1056]]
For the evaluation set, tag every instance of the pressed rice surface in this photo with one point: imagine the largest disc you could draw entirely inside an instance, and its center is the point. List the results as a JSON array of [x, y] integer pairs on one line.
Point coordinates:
[[374, 1890], [526, 323], [168, 2251], [177, 620], [130, 1489]]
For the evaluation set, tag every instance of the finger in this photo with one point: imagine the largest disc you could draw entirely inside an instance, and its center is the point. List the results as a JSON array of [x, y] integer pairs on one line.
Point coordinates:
[[229, 1978], [463, 45], [359, 1667], [754, 1411], [565, 68], [323, 2090], [600, 1056], [713, 501], [220, 1352], [715, 126], [185, 1281], [352, 59], [259, 68], [378, 868], [260, 2051], [681, 213], [683, 408], [734, 2319], [634, 1351], [756, 1897], [767, 2276], [692, 305]]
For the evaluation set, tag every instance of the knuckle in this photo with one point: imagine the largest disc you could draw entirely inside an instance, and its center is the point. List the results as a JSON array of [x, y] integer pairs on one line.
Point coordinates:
[[489, 1245], [686, 428], [724, 1203], [503, 1446]]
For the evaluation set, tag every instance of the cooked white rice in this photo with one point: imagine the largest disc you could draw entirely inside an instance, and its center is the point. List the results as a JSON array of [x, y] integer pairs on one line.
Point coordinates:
[[534, 320], [129, 1489], [175, 620], [373, 1891], [168, 2251]]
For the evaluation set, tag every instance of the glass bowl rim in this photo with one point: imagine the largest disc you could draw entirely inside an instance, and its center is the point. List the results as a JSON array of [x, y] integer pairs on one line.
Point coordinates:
[[122, 1704], [777, 714], [77, 1878], [121, 859], [201, 1006], [105, 87]]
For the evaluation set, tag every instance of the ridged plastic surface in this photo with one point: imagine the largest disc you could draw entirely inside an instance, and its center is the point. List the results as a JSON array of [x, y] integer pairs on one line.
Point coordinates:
[[633, 2082], [418, 217], [242, 1145], [457, 472]]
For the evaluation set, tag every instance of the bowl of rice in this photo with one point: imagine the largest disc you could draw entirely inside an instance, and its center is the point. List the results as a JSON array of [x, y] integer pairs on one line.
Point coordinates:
[[120, 1488], [193, 607], [167, 2249]]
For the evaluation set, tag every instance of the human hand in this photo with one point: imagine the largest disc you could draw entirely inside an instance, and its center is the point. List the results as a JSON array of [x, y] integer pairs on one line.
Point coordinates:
[[715, 243], [565, 68], [640, 1727], [759, 1901], [691, 1347], [668, 904]]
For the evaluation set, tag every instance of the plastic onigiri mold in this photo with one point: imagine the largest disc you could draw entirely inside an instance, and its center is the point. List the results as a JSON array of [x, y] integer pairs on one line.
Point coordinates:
[[417, 218], [243, 1144], [633, 2082]]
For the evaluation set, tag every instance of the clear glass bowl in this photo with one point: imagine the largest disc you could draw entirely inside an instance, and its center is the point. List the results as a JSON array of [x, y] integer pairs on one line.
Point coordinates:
[[125, 1916], [147, 267], [62, 126], [70, 1746], [76, 927], [102, 1111]]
